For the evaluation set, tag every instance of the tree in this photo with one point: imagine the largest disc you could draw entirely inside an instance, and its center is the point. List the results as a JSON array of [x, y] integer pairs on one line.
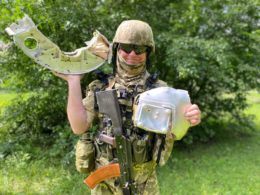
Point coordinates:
[[214, 54], [209, 48]]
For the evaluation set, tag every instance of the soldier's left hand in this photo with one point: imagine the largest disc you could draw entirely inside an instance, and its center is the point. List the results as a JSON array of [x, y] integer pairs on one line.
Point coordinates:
[[192, 114]]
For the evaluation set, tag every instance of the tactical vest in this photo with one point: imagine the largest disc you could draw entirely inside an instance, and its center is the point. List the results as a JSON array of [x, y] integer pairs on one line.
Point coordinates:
[[146, 146], [142, 141]]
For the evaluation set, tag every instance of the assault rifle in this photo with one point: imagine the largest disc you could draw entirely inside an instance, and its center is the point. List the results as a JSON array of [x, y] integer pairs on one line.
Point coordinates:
[[108, 105]]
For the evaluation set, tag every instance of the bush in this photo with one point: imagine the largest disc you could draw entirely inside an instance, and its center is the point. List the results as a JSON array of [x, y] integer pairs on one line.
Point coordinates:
[[209, 48]]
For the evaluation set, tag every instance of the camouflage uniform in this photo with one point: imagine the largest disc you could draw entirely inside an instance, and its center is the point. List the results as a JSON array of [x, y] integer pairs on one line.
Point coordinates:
[[129, 81]]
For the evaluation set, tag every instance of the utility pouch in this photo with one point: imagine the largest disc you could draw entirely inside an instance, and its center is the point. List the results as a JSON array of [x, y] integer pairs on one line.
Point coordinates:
[[85, 154], [140, 150]]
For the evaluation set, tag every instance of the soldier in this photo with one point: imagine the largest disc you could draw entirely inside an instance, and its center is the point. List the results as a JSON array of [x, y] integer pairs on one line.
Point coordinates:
[[132, 45]]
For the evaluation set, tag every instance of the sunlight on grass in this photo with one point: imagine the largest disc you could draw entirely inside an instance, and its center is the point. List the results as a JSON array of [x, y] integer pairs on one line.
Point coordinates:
[[6, 98], [38, 177], [228, 165], [254, 106]]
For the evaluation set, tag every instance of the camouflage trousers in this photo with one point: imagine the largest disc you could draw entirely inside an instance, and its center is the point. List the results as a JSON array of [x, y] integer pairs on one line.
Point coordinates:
[[150, 186]]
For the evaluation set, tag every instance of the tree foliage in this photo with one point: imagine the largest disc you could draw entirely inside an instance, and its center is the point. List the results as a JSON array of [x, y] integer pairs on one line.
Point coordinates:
[[210, 48]]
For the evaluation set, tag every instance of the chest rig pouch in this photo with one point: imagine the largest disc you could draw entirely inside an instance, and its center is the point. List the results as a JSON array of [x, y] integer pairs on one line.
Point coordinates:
[[146, 145], [85, 154]]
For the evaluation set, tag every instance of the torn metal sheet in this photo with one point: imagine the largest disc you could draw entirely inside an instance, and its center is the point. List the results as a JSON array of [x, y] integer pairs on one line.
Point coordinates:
[[161, 110], [46, 53]]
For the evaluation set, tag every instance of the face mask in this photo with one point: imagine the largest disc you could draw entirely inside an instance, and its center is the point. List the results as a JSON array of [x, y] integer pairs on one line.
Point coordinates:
[[129, 74], [129, 69]]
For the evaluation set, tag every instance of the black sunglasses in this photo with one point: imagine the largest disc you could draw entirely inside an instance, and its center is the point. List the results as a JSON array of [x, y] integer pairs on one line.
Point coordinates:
[[138, 49]]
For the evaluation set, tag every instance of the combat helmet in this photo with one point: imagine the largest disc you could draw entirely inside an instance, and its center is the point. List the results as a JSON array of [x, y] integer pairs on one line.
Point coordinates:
[[133, 32]]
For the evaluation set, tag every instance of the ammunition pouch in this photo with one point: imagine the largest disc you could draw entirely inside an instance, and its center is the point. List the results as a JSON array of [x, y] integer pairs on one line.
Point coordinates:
[[143, 171], [140, 151], [85, 154]]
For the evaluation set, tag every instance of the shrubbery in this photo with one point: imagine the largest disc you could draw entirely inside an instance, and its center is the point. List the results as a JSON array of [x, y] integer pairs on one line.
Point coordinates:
[[209, 48]]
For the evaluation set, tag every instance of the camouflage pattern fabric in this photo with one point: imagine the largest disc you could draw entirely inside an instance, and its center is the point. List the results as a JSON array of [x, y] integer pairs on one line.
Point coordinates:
[[89, 100], [85, 150], [144, 173], [130, 70], [134, 32]]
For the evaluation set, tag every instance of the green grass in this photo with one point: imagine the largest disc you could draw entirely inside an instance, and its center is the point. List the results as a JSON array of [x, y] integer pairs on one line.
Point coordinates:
[[6, 98], [19, 175], [254, 106], [229, 164]]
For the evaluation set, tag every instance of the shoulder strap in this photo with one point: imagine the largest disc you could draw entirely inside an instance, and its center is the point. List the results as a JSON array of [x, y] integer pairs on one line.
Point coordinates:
[[103, 77], [151, 80]]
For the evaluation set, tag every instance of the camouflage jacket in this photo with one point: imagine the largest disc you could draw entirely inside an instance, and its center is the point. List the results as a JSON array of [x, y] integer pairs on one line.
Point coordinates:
[[145, 144]]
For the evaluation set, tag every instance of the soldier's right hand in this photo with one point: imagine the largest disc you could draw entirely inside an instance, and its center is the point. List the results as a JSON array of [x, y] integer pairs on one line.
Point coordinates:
[[69, 77]]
